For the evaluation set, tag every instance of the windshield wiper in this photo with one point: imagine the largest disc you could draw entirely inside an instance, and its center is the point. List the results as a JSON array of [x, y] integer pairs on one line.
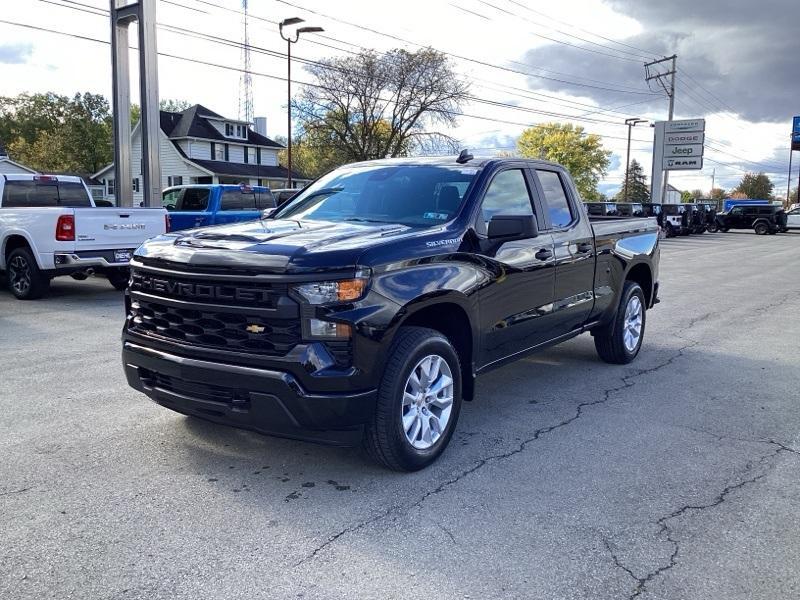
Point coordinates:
[[362, 220]]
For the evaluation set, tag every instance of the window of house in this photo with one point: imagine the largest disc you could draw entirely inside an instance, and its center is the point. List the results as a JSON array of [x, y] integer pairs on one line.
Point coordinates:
[[228, 129], [174, 180], [217, 152], [135, 184], [241, 131], [246, 154], [110, 187], [556, 198], [258, 156], [226, 156]]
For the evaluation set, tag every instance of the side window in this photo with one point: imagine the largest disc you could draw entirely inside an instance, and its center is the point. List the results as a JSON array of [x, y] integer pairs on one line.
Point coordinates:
[[237, 200], [169, 200], [736, 211], [556, 199], [507, 195], [19, 194], [194, 199]]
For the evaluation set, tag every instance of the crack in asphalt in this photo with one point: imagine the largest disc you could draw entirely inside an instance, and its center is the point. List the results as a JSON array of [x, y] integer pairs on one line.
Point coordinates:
[[9, 493], [627, 382], [666, 531]]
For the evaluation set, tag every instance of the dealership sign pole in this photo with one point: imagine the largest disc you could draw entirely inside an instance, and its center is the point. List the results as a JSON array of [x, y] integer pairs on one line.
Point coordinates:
[[795, 145], [677, 146]]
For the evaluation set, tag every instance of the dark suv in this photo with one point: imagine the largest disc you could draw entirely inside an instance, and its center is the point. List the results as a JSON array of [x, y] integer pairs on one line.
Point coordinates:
[[761, 218]]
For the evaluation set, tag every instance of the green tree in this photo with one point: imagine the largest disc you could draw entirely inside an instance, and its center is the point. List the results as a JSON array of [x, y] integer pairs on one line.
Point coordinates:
[[50, 132], [637, 185], [581, 153], [686, 197], [372, 105], [756, 185]]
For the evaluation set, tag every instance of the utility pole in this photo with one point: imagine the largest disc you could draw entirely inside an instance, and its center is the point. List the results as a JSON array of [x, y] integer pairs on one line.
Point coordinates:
[[631, 123], [670, 91]]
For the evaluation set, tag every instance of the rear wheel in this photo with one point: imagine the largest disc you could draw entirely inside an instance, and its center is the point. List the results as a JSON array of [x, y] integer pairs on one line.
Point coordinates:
[[761, 228], [712, 228], [419, 400], [25, 280], [619, 341], [118, 278]]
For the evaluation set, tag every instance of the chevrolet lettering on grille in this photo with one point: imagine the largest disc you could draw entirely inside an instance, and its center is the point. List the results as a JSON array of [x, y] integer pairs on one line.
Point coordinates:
[[199, 291]]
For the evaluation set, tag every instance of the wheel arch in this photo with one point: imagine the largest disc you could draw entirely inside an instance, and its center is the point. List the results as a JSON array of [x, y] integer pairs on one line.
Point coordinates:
[[15, 240], [642, 274], [449, 315]]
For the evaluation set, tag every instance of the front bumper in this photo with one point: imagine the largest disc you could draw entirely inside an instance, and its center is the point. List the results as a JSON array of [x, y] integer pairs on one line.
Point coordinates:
[[267, 401]]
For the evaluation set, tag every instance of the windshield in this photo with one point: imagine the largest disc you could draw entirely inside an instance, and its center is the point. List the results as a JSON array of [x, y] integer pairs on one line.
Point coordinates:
[[415, 195]]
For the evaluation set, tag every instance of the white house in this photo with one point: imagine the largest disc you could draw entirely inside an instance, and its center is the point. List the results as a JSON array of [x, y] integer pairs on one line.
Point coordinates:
[[9, 167], [200, 146]]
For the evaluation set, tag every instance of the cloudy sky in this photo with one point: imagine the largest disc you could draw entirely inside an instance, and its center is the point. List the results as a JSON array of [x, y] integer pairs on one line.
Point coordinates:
[[572, 60]]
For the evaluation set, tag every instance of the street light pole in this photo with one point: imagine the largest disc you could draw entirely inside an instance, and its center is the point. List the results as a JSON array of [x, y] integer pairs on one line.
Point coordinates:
[[289, 41], [631, 123]]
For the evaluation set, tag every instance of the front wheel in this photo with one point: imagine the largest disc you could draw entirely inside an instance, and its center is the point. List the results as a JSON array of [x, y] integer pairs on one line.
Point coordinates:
[[712, 228], [25, 280], [619, 341], [419, 400], [761, 229]]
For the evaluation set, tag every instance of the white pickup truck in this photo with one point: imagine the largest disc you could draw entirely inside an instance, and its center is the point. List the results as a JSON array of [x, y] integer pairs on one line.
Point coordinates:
[[49, 226]]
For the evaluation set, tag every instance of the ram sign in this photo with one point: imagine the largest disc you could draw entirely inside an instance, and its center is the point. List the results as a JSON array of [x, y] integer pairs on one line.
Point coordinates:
[[679, 144]]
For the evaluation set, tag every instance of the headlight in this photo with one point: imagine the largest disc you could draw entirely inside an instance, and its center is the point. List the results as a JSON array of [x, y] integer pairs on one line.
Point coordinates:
[[345, 290]]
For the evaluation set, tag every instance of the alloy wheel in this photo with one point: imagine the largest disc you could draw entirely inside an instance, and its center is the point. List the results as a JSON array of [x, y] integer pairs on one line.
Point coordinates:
[[19, 272], [633, 323], [427, 401]]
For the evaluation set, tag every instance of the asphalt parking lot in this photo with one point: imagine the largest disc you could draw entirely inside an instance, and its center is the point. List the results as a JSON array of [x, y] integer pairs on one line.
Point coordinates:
[[675, 477]]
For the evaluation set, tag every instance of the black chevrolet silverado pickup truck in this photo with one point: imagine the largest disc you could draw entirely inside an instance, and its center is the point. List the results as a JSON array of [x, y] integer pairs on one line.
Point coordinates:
[[364, 308]]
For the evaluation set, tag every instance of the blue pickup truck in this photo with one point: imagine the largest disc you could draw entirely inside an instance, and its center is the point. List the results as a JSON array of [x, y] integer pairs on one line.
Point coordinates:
[[192, 206]]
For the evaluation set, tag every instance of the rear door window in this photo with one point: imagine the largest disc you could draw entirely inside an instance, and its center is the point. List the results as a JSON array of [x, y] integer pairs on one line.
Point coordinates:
[[556, 198], [234, 199]]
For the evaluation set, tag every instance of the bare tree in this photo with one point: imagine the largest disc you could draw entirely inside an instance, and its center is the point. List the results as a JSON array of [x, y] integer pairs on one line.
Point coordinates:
[[374, 105]]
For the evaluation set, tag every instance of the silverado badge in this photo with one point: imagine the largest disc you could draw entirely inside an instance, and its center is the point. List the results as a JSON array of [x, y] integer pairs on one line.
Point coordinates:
[[254, 328]]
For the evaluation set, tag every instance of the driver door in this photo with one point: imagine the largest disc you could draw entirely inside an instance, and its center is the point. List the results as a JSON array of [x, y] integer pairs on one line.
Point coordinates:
[[516, 306]]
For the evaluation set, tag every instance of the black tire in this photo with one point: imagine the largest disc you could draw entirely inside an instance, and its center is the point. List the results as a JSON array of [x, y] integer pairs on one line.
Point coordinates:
[[761, 228], [724, 229], [609, 339], [118, 279], [670, 232], [385, 438], [79, 276], [712, 228], [25, 280]]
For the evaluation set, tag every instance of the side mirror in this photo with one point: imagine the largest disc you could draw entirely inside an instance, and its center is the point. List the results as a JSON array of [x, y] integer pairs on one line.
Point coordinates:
[[267, 212], [513, 227]]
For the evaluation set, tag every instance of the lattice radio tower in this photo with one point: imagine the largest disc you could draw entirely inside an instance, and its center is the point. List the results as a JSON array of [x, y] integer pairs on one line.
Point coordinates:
[[246, 79]]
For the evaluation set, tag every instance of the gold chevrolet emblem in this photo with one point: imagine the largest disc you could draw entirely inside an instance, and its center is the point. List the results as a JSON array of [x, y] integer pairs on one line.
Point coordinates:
[[253, 328]]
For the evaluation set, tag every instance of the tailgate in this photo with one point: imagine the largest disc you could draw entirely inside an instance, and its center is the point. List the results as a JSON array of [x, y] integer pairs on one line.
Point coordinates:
[[108, 228]]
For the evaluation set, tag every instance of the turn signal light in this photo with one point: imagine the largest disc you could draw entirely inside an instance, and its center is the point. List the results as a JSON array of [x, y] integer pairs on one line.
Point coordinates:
[[65, 228]]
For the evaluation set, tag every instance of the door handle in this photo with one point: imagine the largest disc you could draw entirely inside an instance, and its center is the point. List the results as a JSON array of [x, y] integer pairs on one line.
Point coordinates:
[[543, 254], [584, 247]]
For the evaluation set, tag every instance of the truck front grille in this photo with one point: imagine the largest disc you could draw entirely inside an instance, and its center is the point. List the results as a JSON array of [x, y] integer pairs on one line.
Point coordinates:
[[213, 327]]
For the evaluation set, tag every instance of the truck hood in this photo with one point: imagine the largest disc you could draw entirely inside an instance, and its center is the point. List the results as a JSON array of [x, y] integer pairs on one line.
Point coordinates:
[[277, 246]]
